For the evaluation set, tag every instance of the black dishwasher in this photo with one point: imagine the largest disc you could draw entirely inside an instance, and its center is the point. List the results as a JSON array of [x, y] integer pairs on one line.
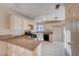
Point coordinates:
[[46, 37]]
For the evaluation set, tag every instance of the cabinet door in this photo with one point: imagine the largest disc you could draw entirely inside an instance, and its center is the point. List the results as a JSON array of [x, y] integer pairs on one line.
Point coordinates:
[[14, 50], [16, 25], [25, 24], [3, 48], [40, 36]]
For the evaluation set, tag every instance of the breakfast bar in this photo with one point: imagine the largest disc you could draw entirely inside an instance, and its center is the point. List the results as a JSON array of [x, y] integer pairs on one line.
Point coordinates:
[[19, 46]]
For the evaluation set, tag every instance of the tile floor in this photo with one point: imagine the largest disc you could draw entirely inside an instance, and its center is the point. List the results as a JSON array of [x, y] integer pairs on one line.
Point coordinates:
[[56, 48]]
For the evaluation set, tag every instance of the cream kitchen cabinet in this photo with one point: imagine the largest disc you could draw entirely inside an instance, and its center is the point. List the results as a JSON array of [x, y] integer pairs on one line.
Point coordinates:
[[16, 23], [20, 24], [40, 36], [14, 50], [3, 48], [9, 49], [25, 24]]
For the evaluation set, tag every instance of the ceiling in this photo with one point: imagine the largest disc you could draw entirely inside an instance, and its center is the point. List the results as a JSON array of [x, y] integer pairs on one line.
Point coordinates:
[[31, 9]]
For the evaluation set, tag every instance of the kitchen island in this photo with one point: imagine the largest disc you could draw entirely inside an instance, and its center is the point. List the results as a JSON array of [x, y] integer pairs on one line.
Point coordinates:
[[19, 46]]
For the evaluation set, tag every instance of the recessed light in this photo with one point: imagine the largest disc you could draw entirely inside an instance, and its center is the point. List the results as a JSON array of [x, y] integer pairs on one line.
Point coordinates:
[[44, 18]]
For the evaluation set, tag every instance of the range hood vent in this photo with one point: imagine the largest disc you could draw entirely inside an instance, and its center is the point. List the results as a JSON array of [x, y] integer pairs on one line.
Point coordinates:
[[57, 6]]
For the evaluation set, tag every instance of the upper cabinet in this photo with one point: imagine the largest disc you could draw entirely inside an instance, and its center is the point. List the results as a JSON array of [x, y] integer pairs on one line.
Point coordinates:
[[25, 24], [16, 24], [19, 24]]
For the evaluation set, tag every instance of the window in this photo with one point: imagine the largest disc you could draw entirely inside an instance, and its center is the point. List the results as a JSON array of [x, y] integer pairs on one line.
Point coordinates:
[[40, 28]]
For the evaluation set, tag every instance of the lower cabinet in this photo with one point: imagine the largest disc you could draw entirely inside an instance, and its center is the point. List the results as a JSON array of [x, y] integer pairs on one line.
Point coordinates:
[[37, 51], [41, 37], [14, 50], [3, 48], [8, 49]]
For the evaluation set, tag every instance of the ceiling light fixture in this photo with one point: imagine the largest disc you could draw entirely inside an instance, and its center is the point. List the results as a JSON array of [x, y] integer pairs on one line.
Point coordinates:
[[44, 18]]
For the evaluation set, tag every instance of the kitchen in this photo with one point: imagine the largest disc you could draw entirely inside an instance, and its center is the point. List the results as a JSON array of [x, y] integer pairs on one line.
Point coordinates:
[[20, 30]]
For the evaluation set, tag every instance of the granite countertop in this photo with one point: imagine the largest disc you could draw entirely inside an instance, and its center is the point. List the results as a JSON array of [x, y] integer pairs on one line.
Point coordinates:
[[22, 41]]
